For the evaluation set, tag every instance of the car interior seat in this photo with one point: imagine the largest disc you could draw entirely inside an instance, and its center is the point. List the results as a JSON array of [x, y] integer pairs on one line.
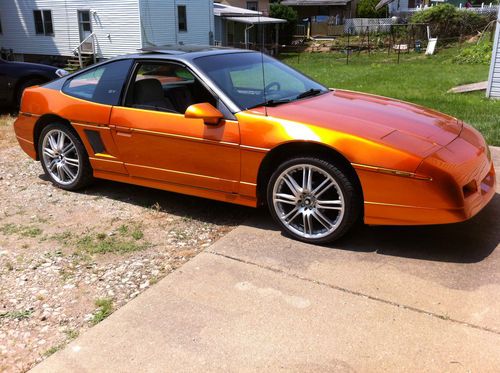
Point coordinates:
[[148, 94], [181, 97]]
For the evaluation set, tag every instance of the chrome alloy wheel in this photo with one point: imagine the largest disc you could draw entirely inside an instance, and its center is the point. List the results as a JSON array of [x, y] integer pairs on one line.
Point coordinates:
[[308, 201], [60, 157]]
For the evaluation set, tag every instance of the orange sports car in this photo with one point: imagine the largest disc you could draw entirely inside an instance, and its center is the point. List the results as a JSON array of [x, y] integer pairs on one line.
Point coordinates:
[[242, 127]]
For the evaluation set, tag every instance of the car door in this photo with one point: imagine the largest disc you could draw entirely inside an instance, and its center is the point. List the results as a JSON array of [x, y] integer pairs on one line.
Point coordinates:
[[157, 142]]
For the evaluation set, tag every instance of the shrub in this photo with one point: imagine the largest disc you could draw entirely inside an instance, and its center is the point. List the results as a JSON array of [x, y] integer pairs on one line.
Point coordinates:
[[366, 9], [290, 15], [447, 21], [476, 53]]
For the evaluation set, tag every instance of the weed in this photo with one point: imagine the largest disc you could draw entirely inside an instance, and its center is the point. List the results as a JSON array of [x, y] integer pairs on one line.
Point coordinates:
[[16, 315], [31, 232], [105, 309], [24, 231], [53, 254], [64, 237], [52, 350], [137, 233], [9, 266], [72, 333], [101, 243], [9, 229]]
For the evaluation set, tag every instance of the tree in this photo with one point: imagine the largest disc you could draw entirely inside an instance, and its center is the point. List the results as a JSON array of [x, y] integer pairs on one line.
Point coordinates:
[[290, 15], [366, 9], [447, 21]]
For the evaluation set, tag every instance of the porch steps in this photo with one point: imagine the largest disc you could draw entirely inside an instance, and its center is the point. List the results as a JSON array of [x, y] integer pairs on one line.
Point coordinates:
[[73, 63]]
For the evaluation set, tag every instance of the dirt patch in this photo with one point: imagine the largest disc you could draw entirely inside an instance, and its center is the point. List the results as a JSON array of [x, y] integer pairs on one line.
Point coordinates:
[[67, 260], [7, 136]]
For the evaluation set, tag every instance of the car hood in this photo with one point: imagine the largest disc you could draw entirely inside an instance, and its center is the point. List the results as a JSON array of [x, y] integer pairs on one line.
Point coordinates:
[[399, 124]]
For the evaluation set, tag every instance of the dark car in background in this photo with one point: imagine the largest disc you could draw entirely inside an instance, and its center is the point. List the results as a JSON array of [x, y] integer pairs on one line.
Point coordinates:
[[15, 77]]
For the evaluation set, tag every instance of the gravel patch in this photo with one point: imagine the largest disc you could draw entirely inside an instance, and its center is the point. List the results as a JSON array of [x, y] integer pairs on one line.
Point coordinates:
[[67, 260]]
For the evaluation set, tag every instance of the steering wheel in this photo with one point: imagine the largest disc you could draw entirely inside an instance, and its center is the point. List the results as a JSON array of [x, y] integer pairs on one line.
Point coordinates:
[[273, 84]]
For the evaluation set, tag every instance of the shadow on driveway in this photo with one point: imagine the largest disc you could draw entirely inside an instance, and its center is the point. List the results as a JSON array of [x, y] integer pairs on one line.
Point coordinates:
[[467, 242]]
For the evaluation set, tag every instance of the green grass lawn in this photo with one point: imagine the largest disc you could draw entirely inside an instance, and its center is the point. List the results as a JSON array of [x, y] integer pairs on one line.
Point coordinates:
[[419, 79]]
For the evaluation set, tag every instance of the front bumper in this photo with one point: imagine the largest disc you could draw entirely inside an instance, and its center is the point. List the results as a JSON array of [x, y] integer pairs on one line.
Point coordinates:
[[464, 174], [462, 182]]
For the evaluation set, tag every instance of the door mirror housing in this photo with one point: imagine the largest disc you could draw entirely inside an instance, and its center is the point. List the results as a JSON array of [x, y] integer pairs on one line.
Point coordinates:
[[205, 111]]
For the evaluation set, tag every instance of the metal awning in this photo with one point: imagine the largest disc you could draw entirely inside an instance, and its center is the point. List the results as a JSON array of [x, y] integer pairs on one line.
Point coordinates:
[[315, 2], [255, 20], [223, 10]]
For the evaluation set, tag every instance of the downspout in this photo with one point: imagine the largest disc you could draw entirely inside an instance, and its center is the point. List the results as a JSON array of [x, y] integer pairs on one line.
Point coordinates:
[[246, 34], [176, 25], [68, 25]]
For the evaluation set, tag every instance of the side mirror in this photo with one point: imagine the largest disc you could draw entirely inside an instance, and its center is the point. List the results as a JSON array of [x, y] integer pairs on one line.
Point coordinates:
[[205, 111]]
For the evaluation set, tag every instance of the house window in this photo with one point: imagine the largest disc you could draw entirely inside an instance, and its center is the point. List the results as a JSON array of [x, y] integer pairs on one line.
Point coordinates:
[[43, 22], [253, 5], [181, 17]]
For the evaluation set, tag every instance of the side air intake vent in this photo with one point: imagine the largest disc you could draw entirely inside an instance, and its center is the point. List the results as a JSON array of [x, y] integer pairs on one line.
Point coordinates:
[[95, 141]]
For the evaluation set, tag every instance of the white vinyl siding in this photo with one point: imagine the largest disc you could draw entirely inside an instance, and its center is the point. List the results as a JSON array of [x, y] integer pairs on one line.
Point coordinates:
[[160, 24], [120, 26], [493, 89], [118, 19], [398, 6]]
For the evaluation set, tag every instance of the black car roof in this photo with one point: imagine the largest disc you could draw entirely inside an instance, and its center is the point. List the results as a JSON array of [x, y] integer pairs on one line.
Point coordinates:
[[183, 52]]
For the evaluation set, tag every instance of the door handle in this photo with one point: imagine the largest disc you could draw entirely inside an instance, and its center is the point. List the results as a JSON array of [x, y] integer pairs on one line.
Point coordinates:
[[122, 131]]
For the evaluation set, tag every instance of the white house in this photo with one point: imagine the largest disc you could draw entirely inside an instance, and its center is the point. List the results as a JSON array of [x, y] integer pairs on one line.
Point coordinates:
[[493, 88], [34, 28]]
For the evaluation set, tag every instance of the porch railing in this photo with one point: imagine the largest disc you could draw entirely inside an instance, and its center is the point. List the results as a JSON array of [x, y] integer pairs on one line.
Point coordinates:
[[79, 50]]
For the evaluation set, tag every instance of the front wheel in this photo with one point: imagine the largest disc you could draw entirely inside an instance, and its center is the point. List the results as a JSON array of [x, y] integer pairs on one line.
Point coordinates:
[[64, 158], [313, 200]]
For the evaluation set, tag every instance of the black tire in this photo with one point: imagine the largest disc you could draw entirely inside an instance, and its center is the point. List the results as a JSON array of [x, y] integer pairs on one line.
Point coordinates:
[[23, 86], [351, 197], [84, 174]]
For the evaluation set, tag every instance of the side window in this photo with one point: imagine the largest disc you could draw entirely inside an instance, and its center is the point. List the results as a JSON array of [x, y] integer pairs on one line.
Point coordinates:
[[168, 87], [102, 84]]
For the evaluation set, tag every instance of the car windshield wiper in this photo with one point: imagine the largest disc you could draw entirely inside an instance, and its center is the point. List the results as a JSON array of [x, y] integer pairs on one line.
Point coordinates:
[[271, 103], [309, 93]]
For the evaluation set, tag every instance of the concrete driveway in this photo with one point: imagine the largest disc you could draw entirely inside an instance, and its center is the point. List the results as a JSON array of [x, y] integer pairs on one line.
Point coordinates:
[[382, 299]]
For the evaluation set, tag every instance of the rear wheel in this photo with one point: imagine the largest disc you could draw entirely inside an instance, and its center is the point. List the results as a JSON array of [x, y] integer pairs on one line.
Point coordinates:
[[313, 200], [64, 158]]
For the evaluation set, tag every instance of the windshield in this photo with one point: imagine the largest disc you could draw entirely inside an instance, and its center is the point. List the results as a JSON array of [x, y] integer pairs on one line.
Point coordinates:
[[253, 79]]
